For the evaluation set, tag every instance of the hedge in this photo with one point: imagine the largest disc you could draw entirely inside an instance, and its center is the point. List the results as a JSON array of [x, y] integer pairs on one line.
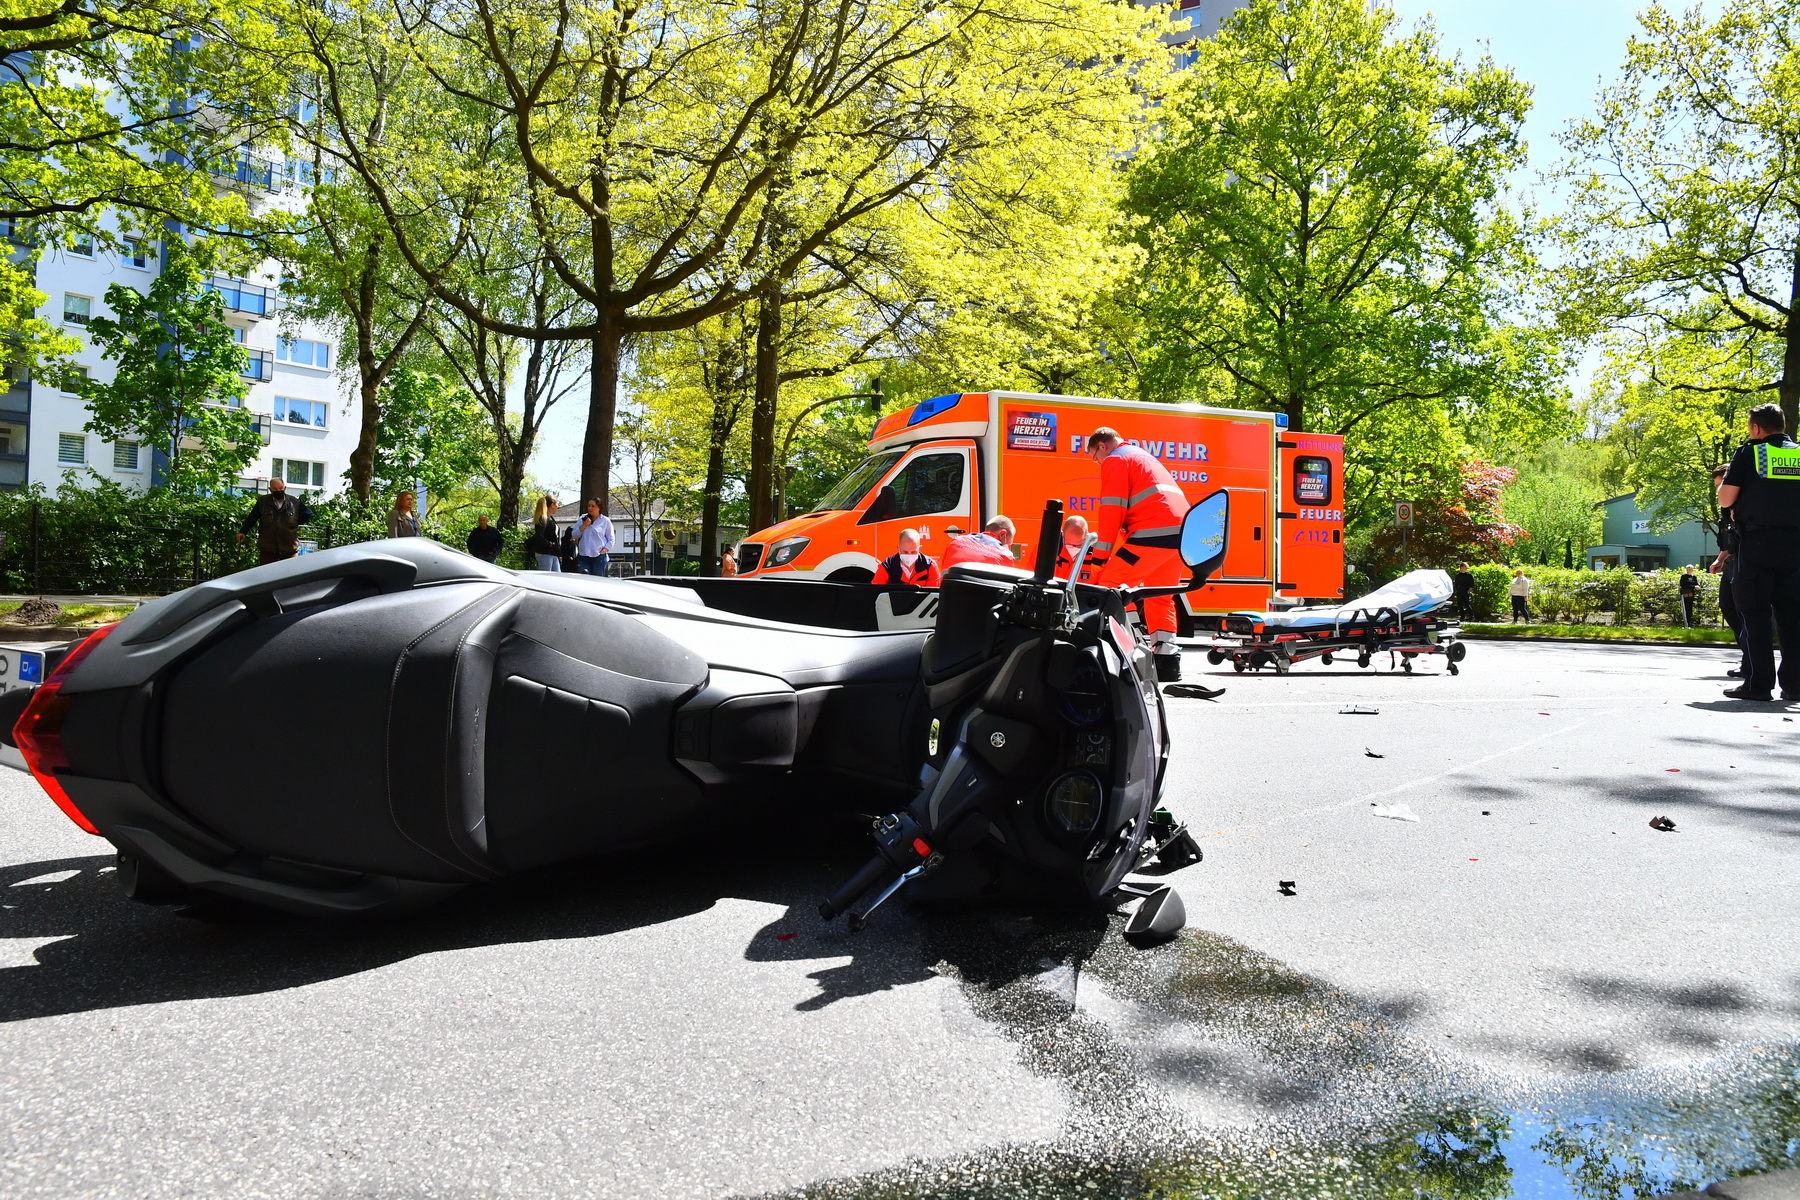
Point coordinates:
[[1576, 596], [102, 538]]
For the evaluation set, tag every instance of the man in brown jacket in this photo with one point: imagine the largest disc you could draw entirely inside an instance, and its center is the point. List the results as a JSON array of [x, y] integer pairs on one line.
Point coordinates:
[[276, 517]]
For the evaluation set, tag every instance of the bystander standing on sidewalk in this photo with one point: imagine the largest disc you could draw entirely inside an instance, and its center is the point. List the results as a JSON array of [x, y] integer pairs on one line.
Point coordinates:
[[276, 518], [485, 541], [1462, 590], [727, 562], [403, 518], [593, 541], [1690, 592], [1520, 591], [544, 541]]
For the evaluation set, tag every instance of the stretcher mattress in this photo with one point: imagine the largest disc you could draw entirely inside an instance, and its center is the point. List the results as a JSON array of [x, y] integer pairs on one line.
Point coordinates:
[[1413, 594]]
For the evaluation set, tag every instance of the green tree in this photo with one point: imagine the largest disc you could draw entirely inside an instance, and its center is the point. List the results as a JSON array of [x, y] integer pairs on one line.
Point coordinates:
[[122, 107], [1324, 235], [1684, 215], [1554, 499], [679, 161], [433, 435], [179, 382]]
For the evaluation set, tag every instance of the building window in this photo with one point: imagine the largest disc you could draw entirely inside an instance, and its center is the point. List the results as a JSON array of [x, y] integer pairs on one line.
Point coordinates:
[[82, 246], [72, 381], [125, 456], [138, 252], [302, 352], [77, 310], [260, 366], [297, 473], [71, 449], [310, 413], [6, 441]]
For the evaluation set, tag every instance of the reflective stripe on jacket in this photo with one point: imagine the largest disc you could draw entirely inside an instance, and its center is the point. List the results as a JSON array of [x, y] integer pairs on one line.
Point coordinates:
[[1139, 502]]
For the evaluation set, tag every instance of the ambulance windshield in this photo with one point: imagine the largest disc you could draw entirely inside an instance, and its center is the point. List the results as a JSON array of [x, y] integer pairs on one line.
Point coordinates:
[[856, 485]]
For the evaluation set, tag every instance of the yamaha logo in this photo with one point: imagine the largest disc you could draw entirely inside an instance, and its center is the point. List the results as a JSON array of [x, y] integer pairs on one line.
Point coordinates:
[[996, 739]]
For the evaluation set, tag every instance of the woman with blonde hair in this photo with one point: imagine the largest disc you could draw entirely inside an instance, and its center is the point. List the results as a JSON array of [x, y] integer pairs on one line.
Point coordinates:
[[544, 541], [403, 520]]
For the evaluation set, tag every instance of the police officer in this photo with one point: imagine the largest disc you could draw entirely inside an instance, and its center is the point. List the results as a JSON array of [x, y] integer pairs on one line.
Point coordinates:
[[1762, 489]]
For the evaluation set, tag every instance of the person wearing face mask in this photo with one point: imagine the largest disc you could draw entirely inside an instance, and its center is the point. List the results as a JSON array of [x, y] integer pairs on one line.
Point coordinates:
[[1074, 534], [276, 518], [908, 568]]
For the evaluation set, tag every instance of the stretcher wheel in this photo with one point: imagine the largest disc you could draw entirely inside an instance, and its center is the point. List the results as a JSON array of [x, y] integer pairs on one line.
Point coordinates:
[[1326, 658], [1214, 657], [1406, 665], [1453, 668], [1457, 652], [1362, 660], [1237, 664]]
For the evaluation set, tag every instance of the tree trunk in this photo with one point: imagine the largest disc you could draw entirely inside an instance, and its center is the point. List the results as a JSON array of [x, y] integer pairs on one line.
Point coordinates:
[[718, 431], [603, 401], [1296, 413], [362, 459], [762, 412], [1790, 358]]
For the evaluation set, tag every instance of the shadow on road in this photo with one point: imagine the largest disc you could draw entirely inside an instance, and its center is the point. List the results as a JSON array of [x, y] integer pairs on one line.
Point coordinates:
[[104, 951]]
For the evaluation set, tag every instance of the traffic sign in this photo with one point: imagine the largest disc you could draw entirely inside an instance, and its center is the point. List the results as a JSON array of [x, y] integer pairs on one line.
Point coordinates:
[[1403, 513]]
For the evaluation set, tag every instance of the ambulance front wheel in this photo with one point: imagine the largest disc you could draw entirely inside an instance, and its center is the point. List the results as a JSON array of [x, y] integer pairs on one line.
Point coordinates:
[[851, 575], [1214, 657]]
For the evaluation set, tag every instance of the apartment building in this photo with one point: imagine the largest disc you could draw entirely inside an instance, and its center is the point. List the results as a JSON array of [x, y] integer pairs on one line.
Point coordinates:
[[306, 412]]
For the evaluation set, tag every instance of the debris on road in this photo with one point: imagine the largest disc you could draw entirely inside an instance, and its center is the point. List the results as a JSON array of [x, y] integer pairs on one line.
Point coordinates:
[[1672, 770], [1285, 886], [1396, 812], [1358, 710], [1371, 754], [1486, 813], [1193, 691], [1662, 823], [783, 937]]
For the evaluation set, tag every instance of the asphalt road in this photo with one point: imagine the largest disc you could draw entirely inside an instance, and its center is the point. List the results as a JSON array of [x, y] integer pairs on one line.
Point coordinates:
[[1521, 987]]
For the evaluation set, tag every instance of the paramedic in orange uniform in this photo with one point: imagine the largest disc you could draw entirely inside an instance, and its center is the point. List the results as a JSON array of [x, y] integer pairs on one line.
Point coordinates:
[[1139, 533], [992, 545], [1074, 533], [908, 567]]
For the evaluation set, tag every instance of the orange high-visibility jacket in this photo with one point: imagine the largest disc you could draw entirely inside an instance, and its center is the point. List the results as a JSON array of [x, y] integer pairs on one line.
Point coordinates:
[[1140, 502]]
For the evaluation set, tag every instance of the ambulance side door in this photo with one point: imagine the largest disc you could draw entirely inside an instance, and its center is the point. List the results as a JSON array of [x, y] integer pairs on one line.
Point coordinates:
[[933, 488], [1310, 516]]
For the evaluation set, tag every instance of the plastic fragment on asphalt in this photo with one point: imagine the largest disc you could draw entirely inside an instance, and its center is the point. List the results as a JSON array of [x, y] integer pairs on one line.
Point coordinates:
[[782, 937], [1673, 770], [1662, 823], [1285, 886], [1474, 860], [1192, 690], [1371, 754], [1543, 714], [1486, 813], [1396, 812], [1358, 710]]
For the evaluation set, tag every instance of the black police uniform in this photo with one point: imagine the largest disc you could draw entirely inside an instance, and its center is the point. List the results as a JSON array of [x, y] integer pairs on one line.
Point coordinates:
[[1767, 581]]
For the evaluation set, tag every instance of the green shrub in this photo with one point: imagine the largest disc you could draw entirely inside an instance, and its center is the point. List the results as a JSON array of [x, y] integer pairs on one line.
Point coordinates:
[[1489, 598]]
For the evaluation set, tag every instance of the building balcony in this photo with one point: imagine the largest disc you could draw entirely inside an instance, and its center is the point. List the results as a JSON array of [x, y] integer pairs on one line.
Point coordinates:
[[252, 299], [261, 366], [247, 170]]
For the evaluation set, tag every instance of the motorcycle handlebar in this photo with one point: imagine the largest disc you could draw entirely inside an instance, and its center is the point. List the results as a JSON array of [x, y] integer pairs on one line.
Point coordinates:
[[877, 872], [1049, 541]]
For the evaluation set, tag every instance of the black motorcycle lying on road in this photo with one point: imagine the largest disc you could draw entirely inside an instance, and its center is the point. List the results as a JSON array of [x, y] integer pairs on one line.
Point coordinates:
[[377, 726]]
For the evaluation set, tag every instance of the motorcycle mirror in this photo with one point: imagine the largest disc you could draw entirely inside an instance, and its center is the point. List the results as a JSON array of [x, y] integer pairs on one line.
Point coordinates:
[[1157, 918], [1203, 535]]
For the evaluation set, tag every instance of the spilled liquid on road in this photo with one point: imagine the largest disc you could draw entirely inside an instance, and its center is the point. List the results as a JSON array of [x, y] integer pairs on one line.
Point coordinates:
[[1203, 1069]]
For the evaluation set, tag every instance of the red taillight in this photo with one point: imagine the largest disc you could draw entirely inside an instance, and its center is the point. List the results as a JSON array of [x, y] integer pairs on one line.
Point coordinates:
[[39, 731]]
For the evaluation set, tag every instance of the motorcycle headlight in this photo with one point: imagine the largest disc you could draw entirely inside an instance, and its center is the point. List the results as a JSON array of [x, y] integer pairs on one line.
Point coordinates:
[[1074, 801], [784, 552]]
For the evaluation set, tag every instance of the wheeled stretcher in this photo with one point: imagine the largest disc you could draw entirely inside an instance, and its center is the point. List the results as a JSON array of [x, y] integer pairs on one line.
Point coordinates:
[[1403, 618]]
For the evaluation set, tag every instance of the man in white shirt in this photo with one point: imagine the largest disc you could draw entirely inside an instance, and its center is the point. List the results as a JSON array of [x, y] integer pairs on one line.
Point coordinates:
[[1520, 590], [593, 540]]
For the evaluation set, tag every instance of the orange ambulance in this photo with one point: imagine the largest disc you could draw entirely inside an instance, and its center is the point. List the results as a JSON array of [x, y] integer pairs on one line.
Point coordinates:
[[951, 462]]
